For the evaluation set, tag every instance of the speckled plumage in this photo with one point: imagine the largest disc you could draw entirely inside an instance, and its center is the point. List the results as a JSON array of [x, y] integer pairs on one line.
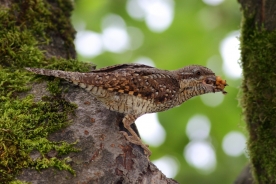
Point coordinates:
[[136, 89]]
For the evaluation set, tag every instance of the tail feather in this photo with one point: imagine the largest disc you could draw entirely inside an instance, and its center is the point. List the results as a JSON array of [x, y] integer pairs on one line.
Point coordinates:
[[55, 73]]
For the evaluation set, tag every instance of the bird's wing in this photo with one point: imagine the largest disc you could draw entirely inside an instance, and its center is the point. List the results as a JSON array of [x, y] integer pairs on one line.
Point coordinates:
[[121, 66], [145, 82]]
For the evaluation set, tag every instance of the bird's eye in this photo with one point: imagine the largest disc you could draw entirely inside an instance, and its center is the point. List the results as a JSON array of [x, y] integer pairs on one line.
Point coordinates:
[[198, 73]]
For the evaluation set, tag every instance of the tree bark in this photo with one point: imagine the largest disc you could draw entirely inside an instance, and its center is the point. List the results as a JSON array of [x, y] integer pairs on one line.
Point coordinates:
[[105, 156], [245, 177], [258, 52]]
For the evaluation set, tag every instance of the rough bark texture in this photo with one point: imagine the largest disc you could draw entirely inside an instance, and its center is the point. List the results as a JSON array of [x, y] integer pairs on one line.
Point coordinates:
[[264, 12], [105, 156], [258, 49]]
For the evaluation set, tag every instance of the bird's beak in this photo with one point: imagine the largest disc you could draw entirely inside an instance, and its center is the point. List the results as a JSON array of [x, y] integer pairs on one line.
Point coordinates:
[[217, 83]]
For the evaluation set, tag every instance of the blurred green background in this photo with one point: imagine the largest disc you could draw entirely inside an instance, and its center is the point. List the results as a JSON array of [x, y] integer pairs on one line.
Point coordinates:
[[203, 140]]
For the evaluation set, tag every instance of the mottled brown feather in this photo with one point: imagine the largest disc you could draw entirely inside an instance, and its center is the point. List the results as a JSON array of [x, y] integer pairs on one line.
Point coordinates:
[[147, 81], [121, 66]]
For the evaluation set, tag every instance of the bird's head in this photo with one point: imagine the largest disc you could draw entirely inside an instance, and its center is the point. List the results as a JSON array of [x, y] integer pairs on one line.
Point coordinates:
[[196, 80]]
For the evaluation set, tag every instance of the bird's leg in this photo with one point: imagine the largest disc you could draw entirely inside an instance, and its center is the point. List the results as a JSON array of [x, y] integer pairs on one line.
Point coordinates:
[[127, 121]]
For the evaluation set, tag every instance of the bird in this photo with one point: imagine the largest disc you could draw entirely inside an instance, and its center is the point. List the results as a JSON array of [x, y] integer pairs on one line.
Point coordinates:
[[137, 89]]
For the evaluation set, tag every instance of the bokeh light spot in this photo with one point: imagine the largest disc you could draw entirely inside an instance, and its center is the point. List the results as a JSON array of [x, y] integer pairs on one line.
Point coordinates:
[[212, 99], [230, 53], [135, 10], [234, 143], [145, 61], [168, 165], [88, 43], [200, 155], [115, 37], [213, 2], [150, 129], [158, 14], [198, 127], [112, 20]]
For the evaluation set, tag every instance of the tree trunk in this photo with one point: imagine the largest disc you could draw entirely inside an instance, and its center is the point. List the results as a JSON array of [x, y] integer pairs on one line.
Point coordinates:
[[38, 33], [258, 50], [245, 176]]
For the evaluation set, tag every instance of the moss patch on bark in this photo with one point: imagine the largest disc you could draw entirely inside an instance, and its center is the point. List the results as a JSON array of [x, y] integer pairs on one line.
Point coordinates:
[[258, 47], [26, 29]]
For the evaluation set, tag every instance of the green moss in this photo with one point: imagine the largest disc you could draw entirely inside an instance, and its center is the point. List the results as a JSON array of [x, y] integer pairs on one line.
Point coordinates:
[[19, 182], [25, 29], [68, 65], [258, 47], [25, 126]]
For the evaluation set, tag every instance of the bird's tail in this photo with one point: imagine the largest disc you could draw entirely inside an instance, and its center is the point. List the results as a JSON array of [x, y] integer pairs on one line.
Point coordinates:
[[56, 73]]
